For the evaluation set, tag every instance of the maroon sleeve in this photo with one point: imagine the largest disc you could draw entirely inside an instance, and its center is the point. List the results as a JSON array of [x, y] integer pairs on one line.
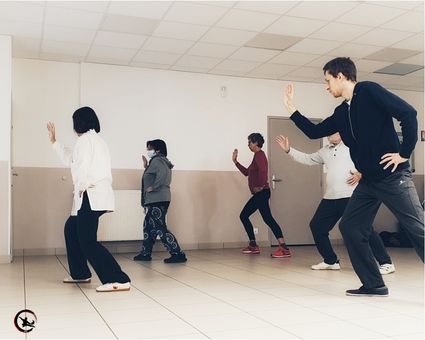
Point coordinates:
[[242, 168], [262, 166]]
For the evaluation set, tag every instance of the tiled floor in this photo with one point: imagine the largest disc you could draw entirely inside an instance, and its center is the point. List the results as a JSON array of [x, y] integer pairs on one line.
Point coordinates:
[[216, 294]]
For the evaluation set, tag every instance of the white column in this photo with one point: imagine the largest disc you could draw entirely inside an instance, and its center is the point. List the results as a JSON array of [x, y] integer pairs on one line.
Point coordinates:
[[5, 148]]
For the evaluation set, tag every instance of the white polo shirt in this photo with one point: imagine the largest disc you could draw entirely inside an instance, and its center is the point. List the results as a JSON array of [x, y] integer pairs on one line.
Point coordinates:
[[338, 168]]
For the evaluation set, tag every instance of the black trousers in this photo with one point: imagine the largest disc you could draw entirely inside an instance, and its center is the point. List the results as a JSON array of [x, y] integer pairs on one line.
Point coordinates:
[[259, 201], [155, 225], [327, 214], [82, 246], [398, 193]]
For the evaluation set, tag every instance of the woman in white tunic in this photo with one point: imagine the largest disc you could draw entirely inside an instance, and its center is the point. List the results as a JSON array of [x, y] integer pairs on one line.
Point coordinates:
[[93, 196]]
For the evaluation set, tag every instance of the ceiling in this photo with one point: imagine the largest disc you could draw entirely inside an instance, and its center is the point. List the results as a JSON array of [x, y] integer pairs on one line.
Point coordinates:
[[287, 40]]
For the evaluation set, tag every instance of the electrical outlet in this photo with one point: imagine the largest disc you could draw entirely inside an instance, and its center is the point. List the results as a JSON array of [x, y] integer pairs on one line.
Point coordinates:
[[255, 231]]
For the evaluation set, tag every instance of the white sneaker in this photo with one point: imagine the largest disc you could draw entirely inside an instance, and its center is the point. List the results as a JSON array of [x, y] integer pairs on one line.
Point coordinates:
[[386, 268], [69, 279], [113, 287], [325, 266]]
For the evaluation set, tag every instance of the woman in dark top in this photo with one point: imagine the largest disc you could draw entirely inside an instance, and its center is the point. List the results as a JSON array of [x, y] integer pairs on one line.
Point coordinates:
[[156, 197], [258, 184]]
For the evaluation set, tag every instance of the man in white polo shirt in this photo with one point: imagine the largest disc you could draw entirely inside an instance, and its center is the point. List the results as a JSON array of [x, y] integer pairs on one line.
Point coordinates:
[[341, 180]]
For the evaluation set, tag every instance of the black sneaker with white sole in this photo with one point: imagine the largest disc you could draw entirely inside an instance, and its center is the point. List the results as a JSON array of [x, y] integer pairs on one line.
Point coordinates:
[[362, 291]]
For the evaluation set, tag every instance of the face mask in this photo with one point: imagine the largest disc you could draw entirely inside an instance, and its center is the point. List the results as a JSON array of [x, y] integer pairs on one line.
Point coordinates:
[[151, 153]]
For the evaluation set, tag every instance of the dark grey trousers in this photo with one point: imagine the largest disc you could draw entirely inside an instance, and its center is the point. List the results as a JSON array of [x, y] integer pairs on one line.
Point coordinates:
[[399, 194]]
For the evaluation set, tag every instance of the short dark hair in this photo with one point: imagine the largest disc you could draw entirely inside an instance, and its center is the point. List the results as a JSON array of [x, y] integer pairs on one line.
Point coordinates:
[[256, 138], [342, 64], [85, 119], [158, 145]]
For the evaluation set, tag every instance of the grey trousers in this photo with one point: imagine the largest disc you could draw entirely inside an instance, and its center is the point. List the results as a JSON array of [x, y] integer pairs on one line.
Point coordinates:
[[399, 194]]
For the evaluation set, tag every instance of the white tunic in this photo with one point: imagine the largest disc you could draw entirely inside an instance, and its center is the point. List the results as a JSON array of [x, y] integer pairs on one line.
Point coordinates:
[[90, 164], [339, 167]]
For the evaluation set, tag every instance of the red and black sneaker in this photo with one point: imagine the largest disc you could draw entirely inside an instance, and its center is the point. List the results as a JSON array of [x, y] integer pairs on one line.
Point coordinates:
[[281, 252], [255, 250]]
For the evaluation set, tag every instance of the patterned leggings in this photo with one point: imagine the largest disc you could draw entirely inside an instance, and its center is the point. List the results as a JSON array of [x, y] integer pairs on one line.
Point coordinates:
[[155, 225]]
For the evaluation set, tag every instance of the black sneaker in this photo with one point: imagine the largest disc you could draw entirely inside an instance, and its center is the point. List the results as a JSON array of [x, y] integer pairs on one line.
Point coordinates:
[[176, 258], [142, 257], [362, 291]]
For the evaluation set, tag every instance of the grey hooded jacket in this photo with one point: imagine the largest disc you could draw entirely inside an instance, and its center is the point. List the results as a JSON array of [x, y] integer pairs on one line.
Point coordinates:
[[158, 176]]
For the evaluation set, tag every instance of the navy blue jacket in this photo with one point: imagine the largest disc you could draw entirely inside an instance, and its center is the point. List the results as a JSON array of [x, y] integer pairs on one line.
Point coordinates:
[[367, 128]]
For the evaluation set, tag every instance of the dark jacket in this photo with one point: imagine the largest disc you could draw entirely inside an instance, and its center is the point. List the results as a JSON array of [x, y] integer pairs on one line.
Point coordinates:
[[366, 126], [158, 176]]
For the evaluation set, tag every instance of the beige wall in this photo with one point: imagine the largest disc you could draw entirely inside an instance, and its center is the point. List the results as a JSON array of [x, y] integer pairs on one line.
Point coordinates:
[[204, 211]]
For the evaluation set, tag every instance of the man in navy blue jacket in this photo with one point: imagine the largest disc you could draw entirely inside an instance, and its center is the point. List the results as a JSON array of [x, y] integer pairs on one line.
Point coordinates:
[[365, 122]]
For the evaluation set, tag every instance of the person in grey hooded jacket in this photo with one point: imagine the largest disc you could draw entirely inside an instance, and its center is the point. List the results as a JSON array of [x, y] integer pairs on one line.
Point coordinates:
[[156, 197]]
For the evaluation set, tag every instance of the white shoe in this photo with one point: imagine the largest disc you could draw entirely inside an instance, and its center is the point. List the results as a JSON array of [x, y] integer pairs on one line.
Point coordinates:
[[325, 266], [69, 279], [113, 287], [386, 268]]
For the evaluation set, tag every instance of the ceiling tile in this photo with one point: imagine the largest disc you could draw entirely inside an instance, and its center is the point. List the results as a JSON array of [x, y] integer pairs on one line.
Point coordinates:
[[292, 26], [354, 50], [274, 7], [272, 41], [67, 58], [328, 10], [218, 3], [321, 61], [314, 46], [194, 13], [369, 15], [24, 12], [340, 32], [197, 62], [378, 78], [150, 65], [189, 69], [62, 48], [312, 72], [259, 75], [177, 30], [231, 73], [236, 65], [123, 40], [273, 69], [156, 57], [411, 22], [396, 4], [212, 50], [115, 53], [417, 59], [72, 18], [246, 20], [289, 58], [399, 69], [26, 47], [68, 34], [253, 54], [21, 29], [227, 36], [108, 61], [382, 37], [391, 54], [167, 45], [370, 65], [144, 9], [415, 42], [132, 25], [91, 6]]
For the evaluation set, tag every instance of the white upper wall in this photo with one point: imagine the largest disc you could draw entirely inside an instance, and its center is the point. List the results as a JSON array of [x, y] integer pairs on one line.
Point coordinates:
[[5, 100], [200, 126]]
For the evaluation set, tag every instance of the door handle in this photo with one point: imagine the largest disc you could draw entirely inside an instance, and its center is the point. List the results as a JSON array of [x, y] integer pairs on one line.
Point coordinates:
[[274, 180]]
